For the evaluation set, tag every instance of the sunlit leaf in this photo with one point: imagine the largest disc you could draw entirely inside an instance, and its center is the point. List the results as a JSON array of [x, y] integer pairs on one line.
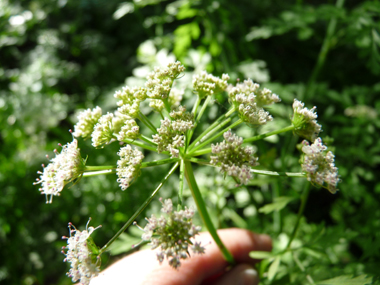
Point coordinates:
[[278, 204], [347, 280]]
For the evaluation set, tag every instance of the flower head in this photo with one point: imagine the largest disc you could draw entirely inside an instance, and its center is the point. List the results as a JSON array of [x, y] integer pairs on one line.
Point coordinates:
[[170, 135], [62, 169], [207, 84], [86, 122], [305, 121], [172, 234], [161, 80], [249, 100], [128, 166], [82, 253], [174, 99], [130, 99], [234, 159], [319, 165]]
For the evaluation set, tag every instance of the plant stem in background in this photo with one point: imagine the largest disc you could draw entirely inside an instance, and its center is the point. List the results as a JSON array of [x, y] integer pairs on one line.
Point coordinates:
[[300, 212], [327, 44], [203, 212], [140, 209]]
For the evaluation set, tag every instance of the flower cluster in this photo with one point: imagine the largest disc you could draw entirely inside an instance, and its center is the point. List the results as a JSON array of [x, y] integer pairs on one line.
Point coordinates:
[[161, 80], [128, 166], [319, 165], [249, 100], [304, 121], [170, 135], [103, 131], [83, 255], [234, 159], [174, 99], [207, 84], [130, 130], [130, 99], [86, 122], [62, 169], [172, 234]]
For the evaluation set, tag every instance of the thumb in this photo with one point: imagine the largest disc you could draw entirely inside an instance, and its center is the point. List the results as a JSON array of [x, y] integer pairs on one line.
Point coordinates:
[[242, 274]]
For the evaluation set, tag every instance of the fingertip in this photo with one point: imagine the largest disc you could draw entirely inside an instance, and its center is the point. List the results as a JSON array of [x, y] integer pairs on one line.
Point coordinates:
[[242, 274]]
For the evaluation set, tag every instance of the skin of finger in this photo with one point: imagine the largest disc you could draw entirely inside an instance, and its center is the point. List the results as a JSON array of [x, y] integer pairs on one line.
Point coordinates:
[[143, 267], [241, 274]]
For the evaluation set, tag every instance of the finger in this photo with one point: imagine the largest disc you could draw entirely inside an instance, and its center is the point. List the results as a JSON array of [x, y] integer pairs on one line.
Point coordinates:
[[242, 274], [143, 268], [199, 267]]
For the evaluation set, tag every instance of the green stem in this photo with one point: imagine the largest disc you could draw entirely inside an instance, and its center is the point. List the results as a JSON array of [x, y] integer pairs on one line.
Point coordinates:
[[323, 52], [159, 162], [138, 212], [274, 173], [263, 136], [203, 212], [204, 106], [299, 215], [201, 151], [140, 144], [214, 126], [101, 167], [100, 172], [238, 122], [147, 122], [200, 161], [146, 139], [196, 105], [181, 184]]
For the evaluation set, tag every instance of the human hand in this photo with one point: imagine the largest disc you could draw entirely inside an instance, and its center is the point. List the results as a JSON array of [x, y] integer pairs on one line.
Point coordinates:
[[210, 268]]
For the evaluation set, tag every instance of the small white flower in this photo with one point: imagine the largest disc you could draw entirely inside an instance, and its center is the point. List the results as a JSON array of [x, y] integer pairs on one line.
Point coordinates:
[[304, 121], [82, 254], [128, 166], [206, 84], [234, 159], [173, 234], [86, 122], [249, 100], [62, 169], [319, 165]]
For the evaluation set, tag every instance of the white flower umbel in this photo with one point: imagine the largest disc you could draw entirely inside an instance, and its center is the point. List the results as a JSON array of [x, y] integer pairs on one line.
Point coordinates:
[[304, 121], [103, 131], [206, 84], [130, 99], [234, 159], [82, 254], [160, 81], [62, 169], [86, 122], [170, 135], [130, 130], [172, 234], [249, 100], [128, 166], [319, 165]]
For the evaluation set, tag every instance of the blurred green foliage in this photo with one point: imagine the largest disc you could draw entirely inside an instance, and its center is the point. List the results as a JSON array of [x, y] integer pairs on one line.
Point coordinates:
[[60, 56]]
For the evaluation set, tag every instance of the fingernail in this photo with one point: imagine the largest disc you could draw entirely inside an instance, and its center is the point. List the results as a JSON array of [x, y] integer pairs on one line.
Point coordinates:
[[250, 277]]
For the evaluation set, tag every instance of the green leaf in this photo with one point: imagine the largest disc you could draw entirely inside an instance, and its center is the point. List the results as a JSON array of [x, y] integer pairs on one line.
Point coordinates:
[[273, 268], [278, 204], [261, 254], [123, 244], [347, 280]]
